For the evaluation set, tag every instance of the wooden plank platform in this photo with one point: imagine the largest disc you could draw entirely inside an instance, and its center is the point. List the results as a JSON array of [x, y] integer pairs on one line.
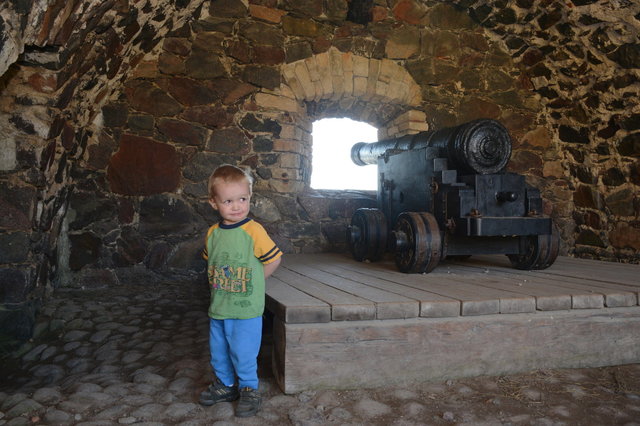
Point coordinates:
[[338, 322]]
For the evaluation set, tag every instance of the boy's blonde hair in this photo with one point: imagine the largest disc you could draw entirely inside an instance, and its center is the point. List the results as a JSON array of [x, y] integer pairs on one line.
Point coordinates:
[[228, 173]]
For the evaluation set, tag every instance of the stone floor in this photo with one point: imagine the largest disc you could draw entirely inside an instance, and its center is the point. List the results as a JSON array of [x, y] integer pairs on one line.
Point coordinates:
[[137, 354]]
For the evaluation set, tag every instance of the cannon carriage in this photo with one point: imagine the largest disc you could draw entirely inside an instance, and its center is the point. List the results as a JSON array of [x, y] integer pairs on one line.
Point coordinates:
[[447, 193]]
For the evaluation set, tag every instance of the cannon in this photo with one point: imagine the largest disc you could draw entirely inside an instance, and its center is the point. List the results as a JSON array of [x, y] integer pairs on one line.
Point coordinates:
[[446, 193]]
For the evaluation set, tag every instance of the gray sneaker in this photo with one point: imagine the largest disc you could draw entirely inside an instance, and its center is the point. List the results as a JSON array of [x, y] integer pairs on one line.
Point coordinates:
[[249, 403], [218, 392]]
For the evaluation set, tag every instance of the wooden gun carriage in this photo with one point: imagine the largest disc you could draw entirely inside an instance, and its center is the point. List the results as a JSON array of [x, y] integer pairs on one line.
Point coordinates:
[[446, 193]]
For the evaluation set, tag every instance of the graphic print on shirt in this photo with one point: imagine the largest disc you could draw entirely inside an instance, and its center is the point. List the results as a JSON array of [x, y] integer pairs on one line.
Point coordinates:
[[231, 278]]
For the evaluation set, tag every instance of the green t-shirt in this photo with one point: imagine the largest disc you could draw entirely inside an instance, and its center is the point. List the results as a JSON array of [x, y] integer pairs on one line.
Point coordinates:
[[235, 257]]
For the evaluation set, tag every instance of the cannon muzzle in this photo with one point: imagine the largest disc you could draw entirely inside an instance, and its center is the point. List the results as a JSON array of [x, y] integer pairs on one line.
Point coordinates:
[[481, 146]]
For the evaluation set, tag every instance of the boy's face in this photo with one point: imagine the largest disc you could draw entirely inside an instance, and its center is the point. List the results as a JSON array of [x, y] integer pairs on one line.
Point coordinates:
[[232, 201]]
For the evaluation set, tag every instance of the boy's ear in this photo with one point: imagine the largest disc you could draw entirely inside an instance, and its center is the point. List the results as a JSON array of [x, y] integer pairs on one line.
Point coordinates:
[[213, 204]]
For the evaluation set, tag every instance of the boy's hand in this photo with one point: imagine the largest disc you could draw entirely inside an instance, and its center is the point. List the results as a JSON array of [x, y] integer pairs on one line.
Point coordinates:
[[270, 267]]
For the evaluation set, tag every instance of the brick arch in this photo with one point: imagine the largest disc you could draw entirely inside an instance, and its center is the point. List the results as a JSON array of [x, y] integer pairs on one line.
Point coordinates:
[[338, 76]]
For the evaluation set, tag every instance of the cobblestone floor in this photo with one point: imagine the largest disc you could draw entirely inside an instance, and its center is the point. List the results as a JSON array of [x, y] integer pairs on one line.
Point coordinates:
[[138, 355]]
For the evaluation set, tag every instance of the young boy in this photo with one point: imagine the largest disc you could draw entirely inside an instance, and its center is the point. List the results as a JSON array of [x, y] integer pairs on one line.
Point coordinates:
[[240, 256]]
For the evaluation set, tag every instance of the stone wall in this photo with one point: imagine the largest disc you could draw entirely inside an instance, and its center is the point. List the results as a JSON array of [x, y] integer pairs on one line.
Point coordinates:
[[582, 59], [114, 113], [60, 61]]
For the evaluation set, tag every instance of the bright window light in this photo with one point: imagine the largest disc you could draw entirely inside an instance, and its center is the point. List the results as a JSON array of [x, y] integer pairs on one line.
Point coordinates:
[[331, 162]]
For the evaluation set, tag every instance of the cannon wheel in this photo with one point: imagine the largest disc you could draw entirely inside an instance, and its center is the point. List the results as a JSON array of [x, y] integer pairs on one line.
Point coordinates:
[[540, 253], [367, 235], [418, 245]]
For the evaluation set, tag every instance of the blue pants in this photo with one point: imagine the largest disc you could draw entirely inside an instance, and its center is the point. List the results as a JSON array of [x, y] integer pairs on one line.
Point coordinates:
[[234, 346]]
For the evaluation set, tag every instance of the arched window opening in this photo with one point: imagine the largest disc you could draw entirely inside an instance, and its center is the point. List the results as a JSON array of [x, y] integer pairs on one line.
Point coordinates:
[[331, 163]]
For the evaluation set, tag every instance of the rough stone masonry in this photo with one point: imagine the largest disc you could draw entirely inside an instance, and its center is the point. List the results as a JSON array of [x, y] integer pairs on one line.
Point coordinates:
[[114, 112]]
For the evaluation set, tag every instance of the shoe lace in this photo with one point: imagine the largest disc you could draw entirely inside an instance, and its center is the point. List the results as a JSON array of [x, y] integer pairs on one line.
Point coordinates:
[[220, 388], [249, 393]]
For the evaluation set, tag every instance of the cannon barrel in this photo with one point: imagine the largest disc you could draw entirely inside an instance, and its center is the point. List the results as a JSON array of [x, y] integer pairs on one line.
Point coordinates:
[[481, 146]]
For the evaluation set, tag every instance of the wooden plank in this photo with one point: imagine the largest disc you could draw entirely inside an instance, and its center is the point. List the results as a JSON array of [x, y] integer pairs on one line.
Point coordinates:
[[473, 301], [548, 297], [591, 270], [388, 304], [615, 295], [470, 303], [583, 290], [510, 302], [622, 273], [341, 355], [293, 305], [344, 306], [487, 285], [430, 304]]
